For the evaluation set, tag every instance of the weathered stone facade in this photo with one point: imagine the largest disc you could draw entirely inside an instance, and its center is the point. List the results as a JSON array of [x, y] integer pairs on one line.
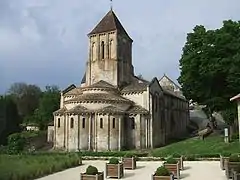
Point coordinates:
[[113, 109]]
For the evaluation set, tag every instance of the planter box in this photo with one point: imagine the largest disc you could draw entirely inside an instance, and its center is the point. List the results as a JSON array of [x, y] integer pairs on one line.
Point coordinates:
[[129, 163], [99, 176], [173, 168], [114, 170], [230, 167], [154, 177], [235, 175], [223, 161], [180, 160]]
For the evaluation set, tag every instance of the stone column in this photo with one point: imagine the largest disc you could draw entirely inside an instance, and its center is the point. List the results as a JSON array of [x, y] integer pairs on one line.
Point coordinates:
[[55, 131], [89, 131], [108, 129], [146, 133], [151, 132], [120, 133], [66, 131], [95, 133]]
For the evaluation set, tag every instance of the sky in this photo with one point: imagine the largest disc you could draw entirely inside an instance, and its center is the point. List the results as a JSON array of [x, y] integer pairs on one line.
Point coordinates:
[[44, 42]]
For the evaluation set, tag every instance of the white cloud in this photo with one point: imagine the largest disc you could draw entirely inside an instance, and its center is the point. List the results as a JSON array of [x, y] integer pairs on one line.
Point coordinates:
[[37, 35]]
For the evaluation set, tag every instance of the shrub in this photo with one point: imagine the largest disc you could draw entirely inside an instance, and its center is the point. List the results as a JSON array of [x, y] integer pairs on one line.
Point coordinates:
[[91, 170], [16, 143], [226, 154], [113, 161], [190, 158], [129, 155], [171, 160], [176, 155], [234, 158], [162, 171], [235, 136]]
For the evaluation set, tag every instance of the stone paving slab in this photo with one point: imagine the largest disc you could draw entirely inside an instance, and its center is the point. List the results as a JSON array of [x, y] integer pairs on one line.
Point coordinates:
[[194, 170]]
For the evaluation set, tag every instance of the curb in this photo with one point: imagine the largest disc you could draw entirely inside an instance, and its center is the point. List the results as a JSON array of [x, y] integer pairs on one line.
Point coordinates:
[[146, 158]]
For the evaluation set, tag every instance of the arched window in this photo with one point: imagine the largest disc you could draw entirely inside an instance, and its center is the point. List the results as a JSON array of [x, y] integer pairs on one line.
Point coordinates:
[[101, 123], [58, 122], [102, 49], [83, 123], [132, 123], [113, 123], [71, 122], [93, 51], [110, 49]]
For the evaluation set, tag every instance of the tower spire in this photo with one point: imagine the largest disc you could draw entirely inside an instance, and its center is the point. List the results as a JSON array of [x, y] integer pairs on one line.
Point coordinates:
[[111, 5]]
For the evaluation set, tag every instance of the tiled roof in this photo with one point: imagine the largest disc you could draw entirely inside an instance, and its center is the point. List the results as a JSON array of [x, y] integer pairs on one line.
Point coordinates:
[[109, 97], [172, 93], [75, 91], [101, 84], [138, 110], [109, 22], [69, 88], [110, 109], [135, 87], [60, 111], [78, 109]]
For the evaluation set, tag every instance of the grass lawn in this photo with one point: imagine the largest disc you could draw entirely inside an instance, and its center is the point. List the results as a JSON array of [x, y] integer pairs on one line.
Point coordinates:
[[194, 146], [23, 167]]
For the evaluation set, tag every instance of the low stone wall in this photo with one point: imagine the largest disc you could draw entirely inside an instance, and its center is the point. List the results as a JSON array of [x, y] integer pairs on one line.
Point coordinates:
[[146, 158]]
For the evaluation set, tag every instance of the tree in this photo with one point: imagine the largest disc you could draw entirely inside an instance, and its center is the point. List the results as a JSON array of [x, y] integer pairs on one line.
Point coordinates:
[[210, 66], [26, 97], [9, 118], [49, 103]]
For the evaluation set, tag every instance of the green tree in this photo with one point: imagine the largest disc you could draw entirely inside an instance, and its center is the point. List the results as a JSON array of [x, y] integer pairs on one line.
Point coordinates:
[[210, 66], [9, 118], [49, 103], [26, 97]]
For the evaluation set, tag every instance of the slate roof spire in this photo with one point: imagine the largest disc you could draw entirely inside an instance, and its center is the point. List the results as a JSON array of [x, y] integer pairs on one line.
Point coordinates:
[[109, 22]]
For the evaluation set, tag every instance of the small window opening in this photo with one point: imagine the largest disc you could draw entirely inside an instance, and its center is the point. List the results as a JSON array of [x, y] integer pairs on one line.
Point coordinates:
[[113, 123], [58, 122], [101, 123], [72, 123], [103, 50], [83, 123], [133, 123]]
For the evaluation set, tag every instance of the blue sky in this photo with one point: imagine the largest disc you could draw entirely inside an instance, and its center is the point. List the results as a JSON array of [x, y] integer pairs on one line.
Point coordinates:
[[45, 41]]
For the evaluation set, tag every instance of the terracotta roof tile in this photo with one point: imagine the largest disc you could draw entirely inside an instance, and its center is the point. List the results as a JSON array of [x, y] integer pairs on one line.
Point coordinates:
[[101, 84], [60, 111], [99, 97], [78, 109], [110, 109], [135, 87], [75, 91], [138, 110]]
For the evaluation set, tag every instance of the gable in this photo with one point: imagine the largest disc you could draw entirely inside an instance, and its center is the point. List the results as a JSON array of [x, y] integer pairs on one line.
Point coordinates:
[[69, 88], [154, 87], [167, 82]]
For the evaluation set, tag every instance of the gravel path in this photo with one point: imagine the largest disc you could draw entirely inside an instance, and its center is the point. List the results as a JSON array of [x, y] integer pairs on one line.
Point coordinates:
[[194, 170]]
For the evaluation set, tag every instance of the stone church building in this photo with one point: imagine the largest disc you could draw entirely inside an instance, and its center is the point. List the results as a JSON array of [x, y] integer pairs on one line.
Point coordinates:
[[113, 109]]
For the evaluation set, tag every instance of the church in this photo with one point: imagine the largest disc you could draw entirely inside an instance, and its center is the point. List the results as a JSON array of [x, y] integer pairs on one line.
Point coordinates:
[[112, 108]]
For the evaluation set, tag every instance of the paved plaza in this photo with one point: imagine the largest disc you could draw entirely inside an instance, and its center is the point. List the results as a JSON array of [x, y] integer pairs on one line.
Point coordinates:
[[194, 170]]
